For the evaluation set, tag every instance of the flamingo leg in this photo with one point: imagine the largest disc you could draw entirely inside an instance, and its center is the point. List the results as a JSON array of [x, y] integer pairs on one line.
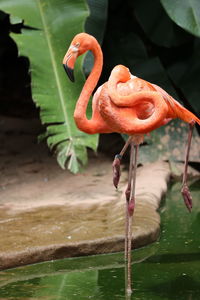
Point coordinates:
[[127, 193], [134, 141], [185, 189], [117, 161], [130, 192]]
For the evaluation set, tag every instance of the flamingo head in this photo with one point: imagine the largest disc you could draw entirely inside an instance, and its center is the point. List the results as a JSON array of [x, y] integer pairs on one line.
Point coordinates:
[[79, 45]]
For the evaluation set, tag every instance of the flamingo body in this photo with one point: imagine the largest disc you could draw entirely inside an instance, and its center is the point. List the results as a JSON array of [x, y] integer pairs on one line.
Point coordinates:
[[129, 105], [125, 103]]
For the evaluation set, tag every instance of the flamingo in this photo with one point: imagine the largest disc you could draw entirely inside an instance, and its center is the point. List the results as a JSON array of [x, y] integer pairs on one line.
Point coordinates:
[[129, 105]]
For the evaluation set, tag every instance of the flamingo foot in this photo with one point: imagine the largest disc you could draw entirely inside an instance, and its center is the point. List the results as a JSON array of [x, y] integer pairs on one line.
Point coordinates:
[[187, 197], [116, 170], [117, 162]]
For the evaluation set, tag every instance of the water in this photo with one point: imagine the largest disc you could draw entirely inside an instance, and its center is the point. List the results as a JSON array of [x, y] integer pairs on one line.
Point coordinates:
[[167, 269]]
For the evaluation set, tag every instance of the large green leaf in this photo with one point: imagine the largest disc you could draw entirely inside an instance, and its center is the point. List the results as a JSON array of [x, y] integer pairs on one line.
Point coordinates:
[[157, 23], [55, 22], [96, 22], [125, 45], [95, 25], [184, 13]]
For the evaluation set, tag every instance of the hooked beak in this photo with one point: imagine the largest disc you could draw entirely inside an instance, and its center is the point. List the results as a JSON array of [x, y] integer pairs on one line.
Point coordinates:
[[69, 71], [69, 61]]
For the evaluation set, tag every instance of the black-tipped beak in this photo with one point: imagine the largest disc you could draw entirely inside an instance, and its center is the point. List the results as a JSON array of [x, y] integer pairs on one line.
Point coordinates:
[[69, 71]]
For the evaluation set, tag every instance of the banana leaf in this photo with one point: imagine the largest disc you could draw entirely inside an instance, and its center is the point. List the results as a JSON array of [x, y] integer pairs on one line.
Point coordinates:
[[49, 28], [185, 14], [157, 23]]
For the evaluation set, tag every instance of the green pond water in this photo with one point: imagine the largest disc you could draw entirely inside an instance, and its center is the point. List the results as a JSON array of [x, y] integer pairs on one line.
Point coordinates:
[[167, 269]]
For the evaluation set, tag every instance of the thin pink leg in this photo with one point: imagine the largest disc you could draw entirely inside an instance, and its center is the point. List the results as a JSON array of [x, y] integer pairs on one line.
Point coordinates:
[[185, 189], [127, 193], [130, 211], [134, 141], [117, 162]]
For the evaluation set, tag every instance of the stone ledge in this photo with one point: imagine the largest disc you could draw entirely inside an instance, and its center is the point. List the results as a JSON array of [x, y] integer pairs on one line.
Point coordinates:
[[100, 221]]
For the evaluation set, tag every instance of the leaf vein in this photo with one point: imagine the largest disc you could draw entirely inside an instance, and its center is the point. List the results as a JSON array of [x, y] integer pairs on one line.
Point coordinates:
[[54, 65]]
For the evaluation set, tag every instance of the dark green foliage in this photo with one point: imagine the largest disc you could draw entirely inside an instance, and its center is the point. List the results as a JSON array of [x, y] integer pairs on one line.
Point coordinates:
[[141, 35], [157, 40]]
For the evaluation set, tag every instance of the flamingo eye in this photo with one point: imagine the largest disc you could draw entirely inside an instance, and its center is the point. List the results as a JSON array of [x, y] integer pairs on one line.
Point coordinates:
[[74, 48]]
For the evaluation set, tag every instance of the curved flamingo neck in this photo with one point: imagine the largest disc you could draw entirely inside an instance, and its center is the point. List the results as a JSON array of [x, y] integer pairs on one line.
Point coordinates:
[[119, 74], [132, 93], [82, 122]]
